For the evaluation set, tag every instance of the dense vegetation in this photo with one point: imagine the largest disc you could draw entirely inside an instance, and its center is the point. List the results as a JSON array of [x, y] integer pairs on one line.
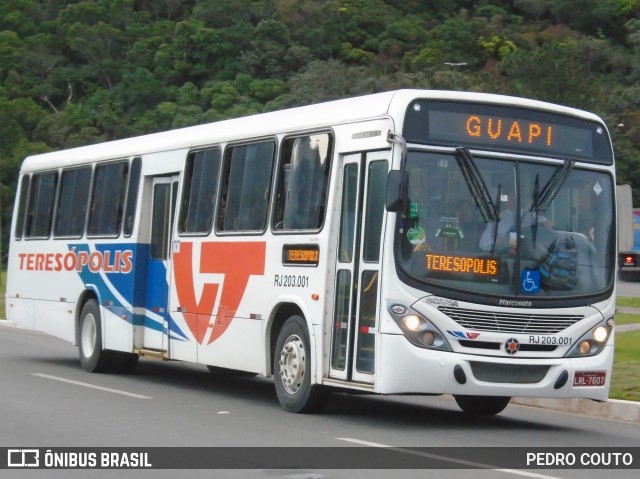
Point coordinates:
[[74, 72]]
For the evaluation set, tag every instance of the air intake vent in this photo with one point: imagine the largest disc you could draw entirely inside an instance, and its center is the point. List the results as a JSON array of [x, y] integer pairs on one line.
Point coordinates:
[[508, 373], [521, 323]]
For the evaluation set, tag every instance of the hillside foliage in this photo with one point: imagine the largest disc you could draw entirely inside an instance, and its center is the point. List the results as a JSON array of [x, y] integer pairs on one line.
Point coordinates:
[[78, 72]]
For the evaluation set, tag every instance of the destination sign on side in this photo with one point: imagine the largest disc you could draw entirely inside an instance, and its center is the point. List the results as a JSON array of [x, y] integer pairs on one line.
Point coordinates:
[[305, 255]]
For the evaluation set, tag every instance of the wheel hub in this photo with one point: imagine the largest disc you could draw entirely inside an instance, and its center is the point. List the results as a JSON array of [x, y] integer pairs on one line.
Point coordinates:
[[88, 336], [292, 361]]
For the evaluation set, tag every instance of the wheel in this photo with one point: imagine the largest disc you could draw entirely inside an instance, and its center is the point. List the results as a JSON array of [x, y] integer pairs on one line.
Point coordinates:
[[292, 369], [482, 405], [217, 371], [92, 357]]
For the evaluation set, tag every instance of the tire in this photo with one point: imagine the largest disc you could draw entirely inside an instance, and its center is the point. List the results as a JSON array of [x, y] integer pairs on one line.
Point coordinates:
[[482, 405], [93, 358], [292, 370]]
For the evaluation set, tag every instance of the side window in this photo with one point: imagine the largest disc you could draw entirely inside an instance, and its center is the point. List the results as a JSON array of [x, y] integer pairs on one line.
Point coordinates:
[[246, 186], [107, 201], [303, 178], [132, 196], [72, 203], [200, 185], [22, 206], [376, 188], [40, 209]]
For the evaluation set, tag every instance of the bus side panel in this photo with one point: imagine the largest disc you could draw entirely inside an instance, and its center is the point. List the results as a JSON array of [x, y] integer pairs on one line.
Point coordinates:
[[114, 274], [55, 318], [20, 311], [117, 328], [41, 290], [240, 347], [224, 292], [182, 343], [211, 281]]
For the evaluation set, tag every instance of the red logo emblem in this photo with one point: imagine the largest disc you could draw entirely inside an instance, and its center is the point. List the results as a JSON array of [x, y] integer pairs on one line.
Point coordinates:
[[512, 346], [237, 261]]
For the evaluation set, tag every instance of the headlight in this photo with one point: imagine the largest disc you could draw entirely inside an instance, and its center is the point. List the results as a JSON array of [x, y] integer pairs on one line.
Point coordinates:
[[593, 341], [417, 329], [411, 322]]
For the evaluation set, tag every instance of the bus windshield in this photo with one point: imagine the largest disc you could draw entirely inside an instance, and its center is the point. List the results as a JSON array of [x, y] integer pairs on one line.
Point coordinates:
[[506, 227]]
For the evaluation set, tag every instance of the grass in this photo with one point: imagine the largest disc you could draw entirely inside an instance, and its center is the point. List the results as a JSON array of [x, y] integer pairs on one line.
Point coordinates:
[[625, 383], [627, 318], [628, 303]]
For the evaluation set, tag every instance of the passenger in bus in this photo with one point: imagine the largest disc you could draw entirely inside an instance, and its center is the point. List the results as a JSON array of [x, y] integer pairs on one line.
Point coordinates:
[[506, 225], [506, 235], [468, 224]]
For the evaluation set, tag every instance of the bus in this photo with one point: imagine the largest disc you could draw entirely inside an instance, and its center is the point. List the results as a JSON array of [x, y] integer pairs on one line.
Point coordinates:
[[405, 242]]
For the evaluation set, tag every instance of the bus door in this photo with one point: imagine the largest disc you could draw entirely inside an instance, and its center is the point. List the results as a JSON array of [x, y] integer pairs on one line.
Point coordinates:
[[163, 200], [353, 342]]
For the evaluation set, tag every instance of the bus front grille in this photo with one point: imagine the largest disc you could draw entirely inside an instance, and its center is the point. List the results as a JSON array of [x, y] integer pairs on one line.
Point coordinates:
[[519, 323], [508, 373]]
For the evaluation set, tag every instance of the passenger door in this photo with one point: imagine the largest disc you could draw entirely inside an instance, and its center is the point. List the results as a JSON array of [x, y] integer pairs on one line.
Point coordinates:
[[359, 244], [164, 191]]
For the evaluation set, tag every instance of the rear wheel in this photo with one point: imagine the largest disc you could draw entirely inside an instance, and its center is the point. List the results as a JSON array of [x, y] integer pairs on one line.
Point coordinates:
[[482, 405], [92, 357], [292, 369]]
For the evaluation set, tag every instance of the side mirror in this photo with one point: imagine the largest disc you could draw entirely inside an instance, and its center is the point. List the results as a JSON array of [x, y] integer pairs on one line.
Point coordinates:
[[397, 190]]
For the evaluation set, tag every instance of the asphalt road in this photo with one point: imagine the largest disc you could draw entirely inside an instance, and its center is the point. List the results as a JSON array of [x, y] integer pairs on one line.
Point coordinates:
[[628, 289], [48, 401]]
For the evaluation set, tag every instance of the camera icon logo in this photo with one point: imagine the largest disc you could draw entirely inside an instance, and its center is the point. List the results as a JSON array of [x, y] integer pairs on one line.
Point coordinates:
[[23, 458]]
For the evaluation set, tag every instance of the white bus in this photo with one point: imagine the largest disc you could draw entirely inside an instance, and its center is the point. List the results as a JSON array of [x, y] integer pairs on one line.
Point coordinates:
[[407, 242]]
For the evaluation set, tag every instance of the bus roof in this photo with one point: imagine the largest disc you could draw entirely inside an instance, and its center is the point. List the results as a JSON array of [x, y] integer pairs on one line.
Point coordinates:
[[301, 118]]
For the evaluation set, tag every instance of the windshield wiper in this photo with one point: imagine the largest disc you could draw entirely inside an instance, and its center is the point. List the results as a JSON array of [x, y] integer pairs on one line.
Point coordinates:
[[477, 186], [542, 199]]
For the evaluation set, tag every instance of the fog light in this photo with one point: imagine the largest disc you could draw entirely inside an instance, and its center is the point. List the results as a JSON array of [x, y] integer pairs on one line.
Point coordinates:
[[412, 322], [600, 334], [428, 338], [585, 347]]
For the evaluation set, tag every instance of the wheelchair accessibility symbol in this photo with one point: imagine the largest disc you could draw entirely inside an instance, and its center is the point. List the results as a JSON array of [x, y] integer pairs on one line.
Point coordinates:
[[530, 281]]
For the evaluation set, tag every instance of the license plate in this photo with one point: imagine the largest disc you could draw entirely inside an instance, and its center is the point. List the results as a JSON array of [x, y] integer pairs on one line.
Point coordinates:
[[589, 378], [551, 340]]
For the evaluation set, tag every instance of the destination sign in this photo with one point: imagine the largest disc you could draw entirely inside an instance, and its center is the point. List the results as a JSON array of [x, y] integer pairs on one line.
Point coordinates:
[[486, 268], [307, 255], [503, 128]]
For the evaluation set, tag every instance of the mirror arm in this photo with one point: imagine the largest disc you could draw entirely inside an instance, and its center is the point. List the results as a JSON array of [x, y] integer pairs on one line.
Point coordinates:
[[399, 140], [397, 181]]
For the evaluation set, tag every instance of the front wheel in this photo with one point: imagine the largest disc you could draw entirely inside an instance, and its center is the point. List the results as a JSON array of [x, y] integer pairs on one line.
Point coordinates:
[[93, 358], [292, 369], [482, 405]]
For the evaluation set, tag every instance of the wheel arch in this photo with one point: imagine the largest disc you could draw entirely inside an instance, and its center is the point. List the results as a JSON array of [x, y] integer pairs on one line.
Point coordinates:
[[279, 316], [85, 296]]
